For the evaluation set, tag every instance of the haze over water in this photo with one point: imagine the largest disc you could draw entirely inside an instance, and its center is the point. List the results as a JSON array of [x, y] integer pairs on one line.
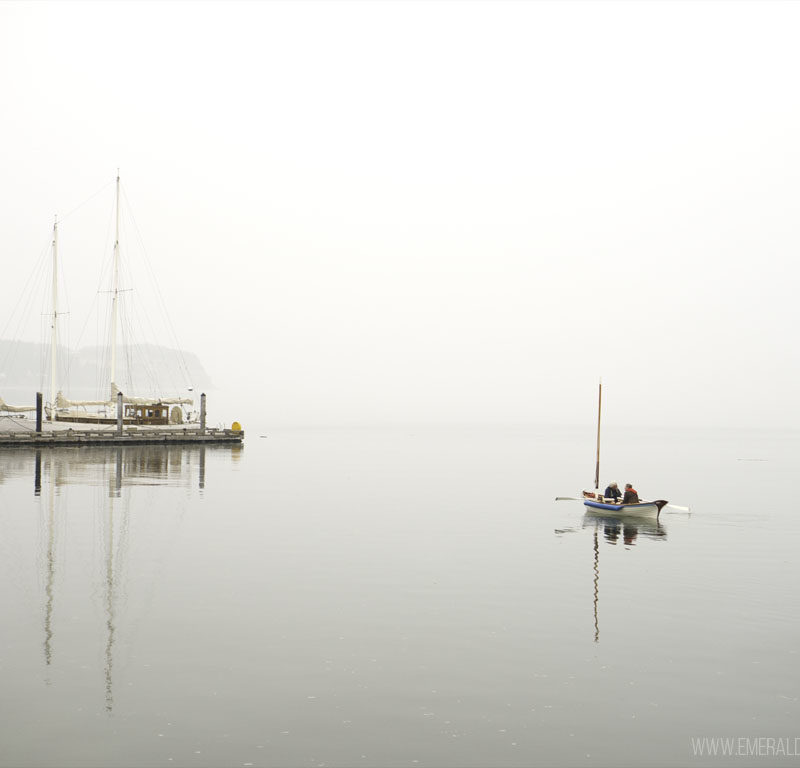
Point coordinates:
[[398, 597], [363, 213]]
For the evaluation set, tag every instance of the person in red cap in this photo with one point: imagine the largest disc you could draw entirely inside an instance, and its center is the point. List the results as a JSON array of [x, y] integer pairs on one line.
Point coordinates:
[[630, 496]]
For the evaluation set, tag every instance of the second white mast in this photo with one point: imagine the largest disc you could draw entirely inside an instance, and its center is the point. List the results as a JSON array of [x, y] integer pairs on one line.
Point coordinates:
[[54, 335], [115, 291]]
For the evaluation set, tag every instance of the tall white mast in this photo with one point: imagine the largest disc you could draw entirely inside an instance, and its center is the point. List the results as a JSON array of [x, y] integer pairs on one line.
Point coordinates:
[[115, 297], [54, 336]]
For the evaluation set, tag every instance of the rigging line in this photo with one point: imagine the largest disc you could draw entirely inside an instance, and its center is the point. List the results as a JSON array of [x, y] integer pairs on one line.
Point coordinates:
[[14, 346], [103, 372], [26, 299], [88, 199], [127, 339], [127, 343], [34, 272], [150, 335], [149, 367], [103, 354], [102, 278], [162, 303], [45, 337], [63, 329], [125, 331], [138, 362], [86, 321], [44, 358], [65, 359], [94, 308], [20, 423], [100, 350], [143, 335]]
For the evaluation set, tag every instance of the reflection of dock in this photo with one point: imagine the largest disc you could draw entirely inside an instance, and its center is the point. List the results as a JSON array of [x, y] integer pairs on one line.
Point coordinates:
[[116, 466]]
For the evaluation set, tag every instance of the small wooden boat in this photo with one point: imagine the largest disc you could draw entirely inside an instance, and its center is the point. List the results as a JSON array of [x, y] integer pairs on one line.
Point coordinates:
[[595, 502]]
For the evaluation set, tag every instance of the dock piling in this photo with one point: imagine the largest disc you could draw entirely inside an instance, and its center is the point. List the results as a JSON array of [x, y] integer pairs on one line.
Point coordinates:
[[39, 413], [37, 474], [203, 412], [119, 413]]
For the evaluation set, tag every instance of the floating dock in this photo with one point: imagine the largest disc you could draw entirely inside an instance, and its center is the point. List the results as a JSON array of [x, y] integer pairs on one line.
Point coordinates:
[[128, 436], [20, 433]]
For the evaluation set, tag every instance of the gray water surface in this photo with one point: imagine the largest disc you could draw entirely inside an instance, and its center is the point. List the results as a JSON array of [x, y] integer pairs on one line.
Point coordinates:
[[398, 597]]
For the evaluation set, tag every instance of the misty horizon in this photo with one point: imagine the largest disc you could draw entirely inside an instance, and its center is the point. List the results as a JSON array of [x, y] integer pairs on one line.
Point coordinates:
[[445, 212]]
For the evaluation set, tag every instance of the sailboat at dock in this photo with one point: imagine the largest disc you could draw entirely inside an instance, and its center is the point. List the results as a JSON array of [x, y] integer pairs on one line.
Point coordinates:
[[162, 416], [155, 411]]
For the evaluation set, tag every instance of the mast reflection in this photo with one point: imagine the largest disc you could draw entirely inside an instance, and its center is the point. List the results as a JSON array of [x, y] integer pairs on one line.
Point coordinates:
[[596, 570], [112, 476], [50, 570], [630, 527]]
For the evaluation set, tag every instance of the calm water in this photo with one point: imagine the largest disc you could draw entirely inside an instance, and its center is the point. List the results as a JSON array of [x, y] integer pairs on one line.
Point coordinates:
[[399, 597]]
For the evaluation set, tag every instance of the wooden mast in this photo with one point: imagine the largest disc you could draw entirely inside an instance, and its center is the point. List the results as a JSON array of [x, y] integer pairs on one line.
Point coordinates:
[[599, 409]]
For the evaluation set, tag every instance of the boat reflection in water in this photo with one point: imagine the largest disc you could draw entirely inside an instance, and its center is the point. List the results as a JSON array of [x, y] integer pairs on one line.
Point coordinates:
[[625, 529], [85, 498]]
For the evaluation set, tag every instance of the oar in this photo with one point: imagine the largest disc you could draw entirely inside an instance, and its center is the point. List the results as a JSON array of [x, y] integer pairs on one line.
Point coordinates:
[[682, 509], [568, 498]]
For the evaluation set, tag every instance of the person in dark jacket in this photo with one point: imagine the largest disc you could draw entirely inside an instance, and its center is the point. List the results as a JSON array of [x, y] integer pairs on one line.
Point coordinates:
[[612, 492], [630, 497]]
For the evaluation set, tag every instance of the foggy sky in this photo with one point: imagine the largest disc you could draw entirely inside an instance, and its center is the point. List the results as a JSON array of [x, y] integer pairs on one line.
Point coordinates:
[[430, 211]]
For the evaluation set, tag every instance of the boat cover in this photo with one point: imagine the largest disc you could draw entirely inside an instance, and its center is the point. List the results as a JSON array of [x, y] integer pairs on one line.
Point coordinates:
[[4, 406], [62, 402]]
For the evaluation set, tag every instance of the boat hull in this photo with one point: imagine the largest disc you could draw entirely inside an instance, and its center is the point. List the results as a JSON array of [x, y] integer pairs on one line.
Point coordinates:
[[642, 508]]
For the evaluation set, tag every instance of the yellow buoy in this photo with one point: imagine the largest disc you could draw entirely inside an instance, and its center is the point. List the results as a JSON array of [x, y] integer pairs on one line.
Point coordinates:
[[236, 426]]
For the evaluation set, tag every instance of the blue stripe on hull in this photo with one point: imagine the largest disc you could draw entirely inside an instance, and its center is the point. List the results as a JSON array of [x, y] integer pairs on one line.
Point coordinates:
[[643, 508]]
